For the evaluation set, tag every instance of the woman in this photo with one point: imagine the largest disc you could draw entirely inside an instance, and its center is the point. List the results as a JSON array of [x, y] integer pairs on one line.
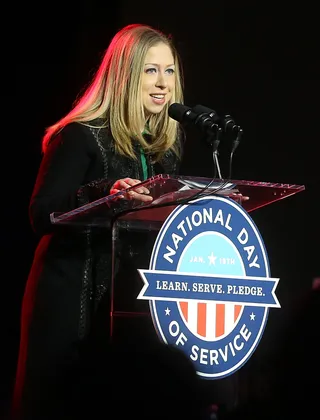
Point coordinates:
[[117, 134]]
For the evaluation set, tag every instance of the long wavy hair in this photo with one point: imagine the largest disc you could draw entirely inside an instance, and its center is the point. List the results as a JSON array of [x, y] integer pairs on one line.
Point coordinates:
[[115, 95]]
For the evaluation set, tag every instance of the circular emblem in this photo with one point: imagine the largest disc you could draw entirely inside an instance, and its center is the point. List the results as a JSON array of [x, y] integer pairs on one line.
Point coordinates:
[[209, 284]]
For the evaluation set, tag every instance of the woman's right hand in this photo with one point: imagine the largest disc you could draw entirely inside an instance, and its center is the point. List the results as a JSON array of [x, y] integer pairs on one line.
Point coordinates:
[[140, 193]]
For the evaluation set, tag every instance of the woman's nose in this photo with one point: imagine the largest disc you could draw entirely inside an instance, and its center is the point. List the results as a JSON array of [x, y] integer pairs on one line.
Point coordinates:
[[161, 80]]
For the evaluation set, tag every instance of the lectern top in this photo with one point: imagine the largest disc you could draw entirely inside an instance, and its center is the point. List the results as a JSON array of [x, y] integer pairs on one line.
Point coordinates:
[[169, 191]]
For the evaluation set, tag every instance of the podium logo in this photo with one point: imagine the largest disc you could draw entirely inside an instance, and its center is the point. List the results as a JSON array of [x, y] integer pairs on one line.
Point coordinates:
[[209, 285]]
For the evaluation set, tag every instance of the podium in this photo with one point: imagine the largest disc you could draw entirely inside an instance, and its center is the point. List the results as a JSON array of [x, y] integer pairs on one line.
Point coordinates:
[[133, 228]]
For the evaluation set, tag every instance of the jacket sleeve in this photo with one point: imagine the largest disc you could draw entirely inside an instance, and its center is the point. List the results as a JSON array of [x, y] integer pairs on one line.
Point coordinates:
[[61, 173]]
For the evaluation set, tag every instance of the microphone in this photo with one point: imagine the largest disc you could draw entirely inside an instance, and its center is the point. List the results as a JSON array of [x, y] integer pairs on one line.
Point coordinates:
[[211, 124], [228, 123], [207, 119], [197, 115], [238, 132], [206, 112], [181, 113]]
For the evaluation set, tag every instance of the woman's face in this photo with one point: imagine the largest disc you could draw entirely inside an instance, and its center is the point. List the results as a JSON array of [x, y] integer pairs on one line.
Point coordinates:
[[158, 79]]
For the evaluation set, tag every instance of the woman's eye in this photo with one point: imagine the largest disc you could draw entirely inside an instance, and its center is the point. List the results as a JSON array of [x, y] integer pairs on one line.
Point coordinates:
[[170, 71], [151, 70]]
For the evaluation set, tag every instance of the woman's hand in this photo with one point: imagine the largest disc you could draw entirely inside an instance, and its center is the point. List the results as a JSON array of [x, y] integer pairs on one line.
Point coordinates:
[[140, 193], [239, 197]]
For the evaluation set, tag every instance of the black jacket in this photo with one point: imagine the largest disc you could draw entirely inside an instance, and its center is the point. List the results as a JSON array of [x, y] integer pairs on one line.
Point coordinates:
[[71, 269], [79, 166]]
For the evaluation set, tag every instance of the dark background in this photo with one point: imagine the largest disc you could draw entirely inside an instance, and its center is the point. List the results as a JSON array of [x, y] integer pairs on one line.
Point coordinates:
[[257, 64]]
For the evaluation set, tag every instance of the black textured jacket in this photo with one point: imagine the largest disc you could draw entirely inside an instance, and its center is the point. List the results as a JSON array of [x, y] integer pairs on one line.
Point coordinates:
[[72, 267]]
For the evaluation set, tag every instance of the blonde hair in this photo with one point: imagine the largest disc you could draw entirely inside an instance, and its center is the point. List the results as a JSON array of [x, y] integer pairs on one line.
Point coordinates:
[[114, 94]]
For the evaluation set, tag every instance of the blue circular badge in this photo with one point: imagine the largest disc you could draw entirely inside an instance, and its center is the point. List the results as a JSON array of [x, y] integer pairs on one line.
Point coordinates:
[[209, 284]]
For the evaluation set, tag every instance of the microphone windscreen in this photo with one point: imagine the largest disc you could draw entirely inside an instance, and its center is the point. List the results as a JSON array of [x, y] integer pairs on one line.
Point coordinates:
[[178, 111]]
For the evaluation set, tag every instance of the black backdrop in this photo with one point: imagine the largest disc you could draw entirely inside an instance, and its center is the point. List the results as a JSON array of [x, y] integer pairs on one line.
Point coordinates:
[[260, 66]]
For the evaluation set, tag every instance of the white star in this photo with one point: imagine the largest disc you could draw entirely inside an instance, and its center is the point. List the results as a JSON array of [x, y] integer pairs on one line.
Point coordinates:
[[212, 259], [167, 311], [252, 316]]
